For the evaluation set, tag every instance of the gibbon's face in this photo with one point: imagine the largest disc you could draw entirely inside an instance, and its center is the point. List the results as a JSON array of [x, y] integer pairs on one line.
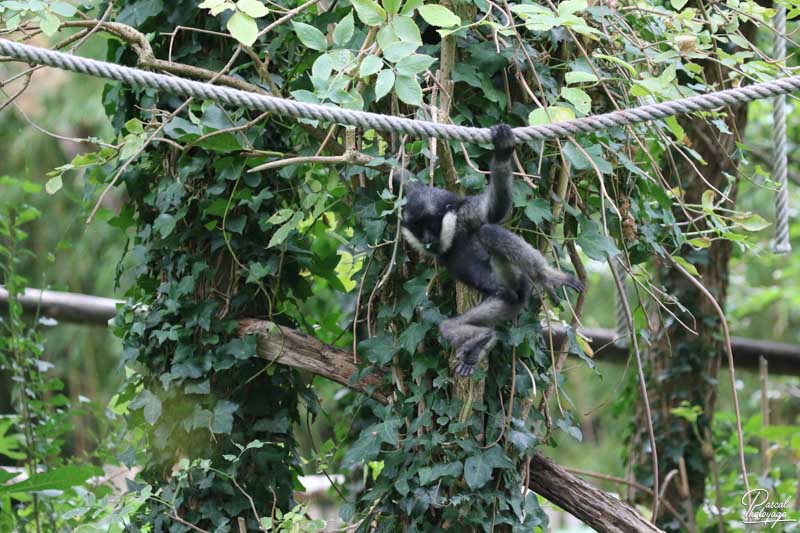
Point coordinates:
[[429, 219]]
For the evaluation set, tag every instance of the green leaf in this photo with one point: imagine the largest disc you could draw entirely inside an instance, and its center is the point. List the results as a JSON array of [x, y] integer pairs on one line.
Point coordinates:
[[310, 36], [392, 6], [677, 5], [593, 244], [379, 349], [408, 90], [396, 51], [59, 479], [578, 98], [369, 12], [243, 28], [322, 67], [439, 16], [577, 76], [164, 224], [406, 29], [477, 471], [281, 233], [53, 185], [700, 242], [414, 64], [428, 475], [410, 6], [570, 7], [64, 9], [343, 31], [222, 421], [553, 114], [690, 268], [254, 8], [538, 210], [370, 66], [150, 403], [383, 84], [750, 221], [281, 216], [135, 126], [49, 24]]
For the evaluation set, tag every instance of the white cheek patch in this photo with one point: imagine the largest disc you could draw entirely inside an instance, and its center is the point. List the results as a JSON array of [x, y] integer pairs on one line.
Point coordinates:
[[449, 221], [413, 241]]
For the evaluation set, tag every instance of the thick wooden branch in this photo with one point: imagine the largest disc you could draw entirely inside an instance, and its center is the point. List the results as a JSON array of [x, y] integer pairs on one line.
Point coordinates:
[[588, 503]]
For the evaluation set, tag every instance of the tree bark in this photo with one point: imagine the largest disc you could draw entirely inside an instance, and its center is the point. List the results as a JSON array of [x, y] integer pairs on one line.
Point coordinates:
[[588, 503]]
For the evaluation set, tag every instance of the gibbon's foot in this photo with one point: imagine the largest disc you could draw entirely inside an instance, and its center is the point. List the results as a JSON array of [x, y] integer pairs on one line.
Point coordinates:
[[503, 140], [470, 354], [574, 283]]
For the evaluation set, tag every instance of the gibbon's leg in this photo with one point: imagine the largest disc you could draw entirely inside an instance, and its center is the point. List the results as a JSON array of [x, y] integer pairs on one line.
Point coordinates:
[[472, 334], [526, 259]]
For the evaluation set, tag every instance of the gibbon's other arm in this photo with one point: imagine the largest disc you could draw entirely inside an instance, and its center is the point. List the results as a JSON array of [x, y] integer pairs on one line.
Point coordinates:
[[494, 204]]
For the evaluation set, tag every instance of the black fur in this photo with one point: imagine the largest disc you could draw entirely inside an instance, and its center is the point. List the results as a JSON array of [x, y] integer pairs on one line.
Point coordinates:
[[462, 233]]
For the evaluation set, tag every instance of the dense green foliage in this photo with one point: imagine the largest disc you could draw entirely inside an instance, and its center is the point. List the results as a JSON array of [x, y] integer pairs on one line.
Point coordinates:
[[313, 246]]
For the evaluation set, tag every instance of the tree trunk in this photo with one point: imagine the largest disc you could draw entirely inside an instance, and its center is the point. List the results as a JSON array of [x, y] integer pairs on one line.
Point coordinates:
[[683, 366]]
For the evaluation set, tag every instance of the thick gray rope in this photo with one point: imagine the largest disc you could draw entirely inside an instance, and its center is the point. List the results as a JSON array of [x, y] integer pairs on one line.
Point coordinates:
[[418, 128], [782, 243]]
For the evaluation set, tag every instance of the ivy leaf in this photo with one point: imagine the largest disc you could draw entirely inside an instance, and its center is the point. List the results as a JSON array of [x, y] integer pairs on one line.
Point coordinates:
[[383, 84], [429, 474], [164, 224], [408, 90], [379, 349], [243, 28], [370, 66], [53, 185], [343, 31], [438, 16], [595, 245], [281, 216], [59, 479], [477, 471], [538, 210], [222, 421], [281, 233], [369, 12], [254, 8], [151, 404], [310, 36]]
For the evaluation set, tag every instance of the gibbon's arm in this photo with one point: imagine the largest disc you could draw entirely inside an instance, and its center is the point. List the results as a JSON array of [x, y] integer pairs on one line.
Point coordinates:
[[497, 197]]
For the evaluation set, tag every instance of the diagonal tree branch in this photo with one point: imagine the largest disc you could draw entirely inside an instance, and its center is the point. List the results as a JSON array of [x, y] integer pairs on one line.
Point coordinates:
[[588, 503]]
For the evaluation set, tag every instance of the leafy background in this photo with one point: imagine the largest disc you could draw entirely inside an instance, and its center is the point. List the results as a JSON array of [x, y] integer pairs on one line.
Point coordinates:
[[194, 242]]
